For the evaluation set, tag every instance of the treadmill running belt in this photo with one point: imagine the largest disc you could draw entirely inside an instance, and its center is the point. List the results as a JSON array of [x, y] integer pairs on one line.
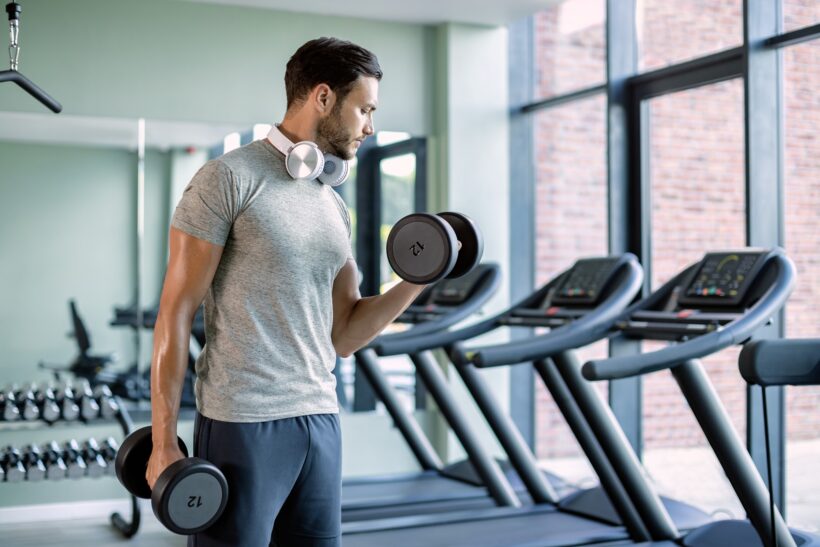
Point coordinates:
[[408, 490], [551, 529]]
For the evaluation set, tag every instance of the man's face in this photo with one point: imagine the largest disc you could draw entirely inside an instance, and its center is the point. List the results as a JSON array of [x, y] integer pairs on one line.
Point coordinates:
[[350, 121]]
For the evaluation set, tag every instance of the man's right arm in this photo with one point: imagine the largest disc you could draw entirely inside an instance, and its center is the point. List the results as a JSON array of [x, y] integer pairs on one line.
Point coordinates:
[[191, 268]]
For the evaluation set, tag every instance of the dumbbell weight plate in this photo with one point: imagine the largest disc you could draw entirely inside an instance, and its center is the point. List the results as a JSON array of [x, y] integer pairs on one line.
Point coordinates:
[[421, 248], [189, 496], [472, 243], [132, 461]]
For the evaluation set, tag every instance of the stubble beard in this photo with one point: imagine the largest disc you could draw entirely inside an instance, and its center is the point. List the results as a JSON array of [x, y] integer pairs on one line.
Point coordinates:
[[333, 137]]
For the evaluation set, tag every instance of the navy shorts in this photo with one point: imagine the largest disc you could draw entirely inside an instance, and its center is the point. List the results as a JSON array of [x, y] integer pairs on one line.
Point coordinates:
[[284, 481]]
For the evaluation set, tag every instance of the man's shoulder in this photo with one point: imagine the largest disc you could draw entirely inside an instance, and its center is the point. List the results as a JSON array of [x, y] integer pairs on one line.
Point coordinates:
[[251, 157]]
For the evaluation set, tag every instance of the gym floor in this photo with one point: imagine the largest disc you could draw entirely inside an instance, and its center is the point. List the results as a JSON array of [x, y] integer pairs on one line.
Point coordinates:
[[690, 474]]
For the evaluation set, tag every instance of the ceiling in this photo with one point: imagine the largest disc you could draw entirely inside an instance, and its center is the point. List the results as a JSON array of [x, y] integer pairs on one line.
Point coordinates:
[[483, 12]]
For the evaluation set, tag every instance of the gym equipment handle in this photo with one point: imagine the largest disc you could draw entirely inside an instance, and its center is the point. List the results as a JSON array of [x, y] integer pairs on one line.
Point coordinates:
[[734, 333]]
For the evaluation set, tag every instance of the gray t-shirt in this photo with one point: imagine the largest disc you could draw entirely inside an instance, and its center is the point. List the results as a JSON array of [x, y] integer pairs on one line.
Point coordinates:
[[269, 310]]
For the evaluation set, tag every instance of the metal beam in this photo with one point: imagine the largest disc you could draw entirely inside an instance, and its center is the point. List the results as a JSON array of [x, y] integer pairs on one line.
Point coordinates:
[[624, 231], [522, 214], [764, 223]]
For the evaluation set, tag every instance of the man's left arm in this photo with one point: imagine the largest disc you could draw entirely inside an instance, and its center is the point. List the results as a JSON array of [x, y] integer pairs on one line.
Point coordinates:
[[357, 320]]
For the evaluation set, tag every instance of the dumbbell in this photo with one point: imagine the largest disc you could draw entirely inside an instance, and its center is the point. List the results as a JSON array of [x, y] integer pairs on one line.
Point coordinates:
[[33, 462], [47, 403], [26, 403], [12, 465], [106, 401], [64, 396], [74, 460], [189, 495], [94, 460], [8, 406], [423, 248], [84, 397], [108, 449], [53, 459]]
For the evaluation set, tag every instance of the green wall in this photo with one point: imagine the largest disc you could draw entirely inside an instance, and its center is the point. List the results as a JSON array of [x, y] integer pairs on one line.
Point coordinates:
[[178, 60]]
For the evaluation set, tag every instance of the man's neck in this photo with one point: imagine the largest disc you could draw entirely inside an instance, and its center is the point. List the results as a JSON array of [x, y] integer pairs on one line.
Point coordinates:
[[297, 129]]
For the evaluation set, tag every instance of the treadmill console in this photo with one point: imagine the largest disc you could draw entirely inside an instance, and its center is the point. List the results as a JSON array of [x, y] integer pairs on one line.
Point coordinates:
[[442, 297], [453, 292], [585, 282], [569, 296], [722, 279]]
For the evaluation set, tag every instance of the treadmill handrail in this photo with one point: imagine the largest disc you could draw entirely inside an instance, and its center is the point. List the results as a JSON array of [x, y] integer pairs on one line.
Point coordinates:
[[792, 362], [587, 329], [485, 290], [733, 333]]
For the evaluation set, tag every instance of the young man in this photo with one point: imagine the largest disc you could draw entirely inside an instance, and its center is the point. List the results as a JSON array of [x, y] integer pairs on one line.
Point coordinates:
[[270, 255]]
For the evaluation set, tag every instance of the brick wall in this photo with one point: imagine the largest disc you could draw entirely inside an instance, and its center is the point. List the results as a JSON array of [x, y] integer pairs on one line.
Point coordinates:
[[697, 178]]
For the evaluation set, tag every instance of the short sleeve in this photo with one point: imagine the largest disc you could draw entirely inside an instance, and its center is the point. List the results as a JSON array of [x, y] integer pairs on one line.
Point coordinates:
[[209, 204]]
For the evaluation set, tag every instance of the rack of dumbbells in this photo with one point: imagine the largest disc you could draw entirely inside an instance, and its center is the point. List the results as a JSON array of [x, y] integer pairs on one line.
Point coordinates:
[[70, 403]]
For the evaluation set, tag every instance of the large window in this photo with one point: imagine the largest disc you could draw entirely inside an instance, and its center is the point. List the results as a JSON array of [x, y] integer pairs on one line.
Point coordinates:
[[679, 188], [672, 32], [801, 70], [570, 223], [800, 13], [569, 47], [697, 192]]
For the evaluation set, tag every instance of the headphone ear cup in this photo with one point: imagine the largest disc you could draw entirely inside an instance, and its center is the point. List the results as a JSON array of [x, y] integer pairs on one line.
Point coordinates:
[[335, 171], [305, 161]]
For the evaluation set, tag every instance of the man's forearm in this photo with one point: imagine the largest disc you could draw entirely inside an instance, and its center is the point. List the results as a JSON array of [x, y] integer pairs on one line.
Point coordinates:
[[170, 359], [372, 314]]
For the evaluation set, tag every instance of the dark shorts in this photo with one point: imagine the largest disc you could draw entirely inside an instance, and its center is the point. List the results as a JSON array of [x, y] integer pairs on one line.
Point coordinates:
[[284, 481]]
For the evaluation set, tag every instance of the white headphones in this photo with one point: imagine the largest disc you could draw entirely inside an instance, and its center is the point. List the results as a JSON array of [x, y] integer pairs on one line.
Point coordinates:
[[304, 160]]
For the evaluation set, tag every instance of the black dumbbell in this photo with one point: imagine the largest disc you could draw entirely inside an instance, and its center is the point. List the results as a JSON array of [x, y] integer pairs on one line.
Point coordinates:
[[64, 395], [188, 496], [93, 459], [27, 404], [53, 459], [12, 464], [106, 401], [74, 460], [47, 403], [84, 397], [8, 406], [423, 248], [33, 462], [109, 449]]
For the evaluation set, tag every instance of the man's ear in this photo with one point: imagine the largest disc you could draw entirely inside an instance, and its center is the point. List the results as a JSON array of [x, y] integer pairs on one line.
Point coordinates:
[[324, 98]]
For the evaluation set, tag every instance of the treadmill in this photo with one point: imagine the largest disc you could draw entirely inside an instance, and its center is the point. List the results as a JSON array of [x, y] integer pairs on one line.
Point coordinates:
[[429, 490], [719, 302], [580, 306]]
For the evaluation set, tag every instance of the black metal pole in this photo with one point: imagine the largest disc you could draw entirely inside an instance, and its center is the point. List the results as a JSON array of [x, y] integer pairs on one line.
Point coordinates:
[[367, 363], [732, 455], [486, 467], [617, 449], [586, 439], [521, 457]]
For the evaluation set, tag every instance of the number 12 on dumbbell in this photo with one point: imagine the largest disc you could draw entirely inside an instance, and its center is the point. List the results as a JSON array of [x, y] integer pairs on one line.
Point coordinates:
[[423, 248]]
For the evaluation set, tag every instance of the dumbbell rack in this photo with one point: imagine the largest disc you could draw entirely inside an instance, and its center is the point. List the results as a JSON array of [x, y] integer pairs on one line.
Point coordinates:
[[127, 528]]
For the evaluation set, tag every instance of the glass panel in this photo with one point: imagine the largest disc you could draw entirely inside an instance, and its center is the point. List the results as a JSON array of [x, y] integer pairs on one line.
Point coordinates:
[[801, 68], [800, 13], [398, 177], [569, 143], [570, 47], [672, 32], [698, 204]]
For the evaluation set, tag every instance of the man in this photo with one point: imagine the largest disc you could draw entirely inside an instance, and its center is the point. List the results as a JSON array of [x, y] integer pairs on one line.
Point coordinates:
[[271, 258]]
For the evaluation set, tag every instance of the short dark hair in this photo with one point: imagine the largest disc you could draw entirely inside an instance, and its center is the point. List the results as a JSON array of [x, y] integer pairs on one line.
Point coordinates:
[[330, 61]]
